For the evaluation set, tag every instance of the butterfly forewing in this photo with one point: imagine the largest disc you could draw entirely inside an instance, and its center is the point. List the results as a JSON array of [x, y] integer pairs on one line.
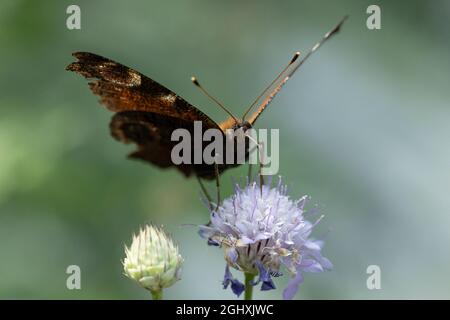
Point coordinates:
[[123, 89]]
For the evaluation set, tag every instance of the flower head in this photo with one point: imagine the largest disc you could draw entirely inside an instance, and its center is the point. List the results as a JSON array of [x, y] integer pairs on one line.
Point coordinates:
[[262, 229], [152, 260]]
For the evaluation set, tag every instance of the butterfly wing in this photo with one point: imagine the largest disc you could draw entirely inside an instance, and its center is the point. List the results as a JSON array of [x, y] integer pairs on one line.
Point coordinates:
[[147, 112], [152, 134], [123, 89]]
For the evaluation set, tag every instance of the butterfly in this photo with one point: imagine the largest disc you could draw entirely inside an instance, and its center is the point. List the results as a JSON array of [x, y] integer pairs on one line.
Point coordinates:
[[146, 112]]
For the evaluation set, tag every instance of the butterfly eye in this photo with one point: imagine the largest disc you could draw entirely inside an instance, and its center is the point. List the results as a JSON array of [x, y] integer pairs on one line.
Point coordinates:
[[246, 125]]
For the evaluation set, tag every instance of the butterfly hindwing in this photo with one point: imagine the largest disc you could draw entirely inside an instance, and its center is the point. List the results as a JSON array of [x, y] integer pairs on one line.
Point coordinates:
[[152, 134]]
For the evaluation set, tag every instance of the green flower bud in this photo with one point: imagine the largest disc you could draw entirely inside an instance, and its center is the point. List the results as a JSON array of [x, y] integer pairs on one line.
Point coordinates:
[[153, 260]]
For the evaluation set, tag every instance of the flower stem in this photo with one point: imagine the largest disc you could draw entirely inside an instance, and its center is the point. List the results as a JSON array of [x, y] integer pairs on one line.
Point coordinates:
[[157, 294], [248, 294]]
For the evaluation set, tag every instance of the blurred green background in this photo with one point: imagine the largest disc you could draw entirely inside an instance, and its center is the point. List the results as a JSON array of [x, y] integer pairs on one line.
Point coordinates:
[[364, 130]]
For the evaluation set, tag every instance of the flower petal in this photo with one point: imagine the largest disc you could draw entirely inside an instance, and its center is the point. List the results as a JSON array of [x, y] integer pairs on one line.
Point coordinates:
[[264, 277], [236, 286], [231, 254], [314, 267], [292, 287], [212, 242]]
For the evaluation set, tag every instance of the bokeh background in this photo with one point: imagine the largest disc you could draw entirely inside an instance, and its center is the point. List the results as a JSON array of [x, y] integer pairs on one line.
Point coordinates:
[[364, 129]]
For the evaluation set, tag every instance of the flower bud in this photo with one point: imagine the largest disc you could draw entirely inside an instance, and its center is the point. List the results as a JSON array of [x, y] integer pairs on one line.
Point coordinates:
[[153, 260]]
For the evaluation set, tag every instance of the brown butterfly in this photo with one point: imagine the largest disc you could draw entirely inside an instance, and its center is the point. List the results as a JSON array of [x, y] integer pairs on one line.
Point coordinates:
[[146, 113]]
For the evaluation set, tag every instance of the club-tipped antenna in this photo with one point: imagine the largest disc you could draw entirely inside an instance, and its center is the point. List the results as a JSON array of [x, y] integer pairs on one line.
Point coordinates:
[[289, 74], [328, 35], [294, 58], [220, 104]]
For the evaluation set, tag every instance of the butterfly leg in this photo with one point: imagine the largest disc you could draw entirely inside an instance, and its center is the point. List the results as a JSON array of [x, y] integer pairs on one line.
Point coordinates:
[[249, 174], [260, 148], [261, 154], [205, 192], [216, 168]]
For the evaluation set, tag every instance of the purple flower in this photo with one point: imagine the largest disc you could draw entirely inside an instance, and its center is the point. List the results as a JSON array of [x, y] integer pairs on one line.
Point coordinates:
[[236, 286], [264, 277], [262, 231]]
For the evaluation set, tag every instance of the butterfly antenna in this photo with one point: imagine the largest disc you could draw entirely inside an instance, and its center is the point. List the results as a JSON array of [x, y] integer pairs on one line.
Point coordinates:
[[294, 58], [220, 104], [290, 72], [327, 36]]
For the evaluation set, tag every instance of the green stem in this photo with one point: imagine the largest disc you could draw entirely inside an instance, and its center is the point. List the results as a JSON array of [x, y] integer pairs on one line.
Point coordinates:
[[248, 294], [157, 295]]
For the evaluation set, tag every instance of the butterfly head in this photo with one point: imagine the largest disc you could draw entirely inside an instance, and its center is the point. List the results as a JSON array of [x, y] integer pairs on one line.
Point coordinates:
[[239, 129], [244, 125]]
